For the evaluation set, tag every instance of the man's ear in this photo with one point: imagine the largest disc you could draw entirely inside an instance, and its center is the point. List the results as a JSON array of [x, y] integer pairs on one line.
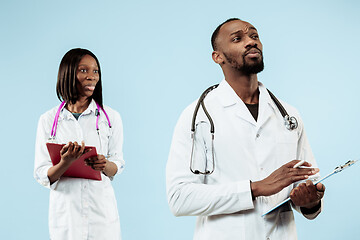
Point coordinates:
[[217, 57]]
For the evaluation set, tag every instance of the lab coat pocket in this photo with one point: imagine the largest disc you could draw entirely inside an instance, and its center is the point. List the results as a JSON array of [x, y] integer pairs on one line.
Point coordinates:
[[287, 221], [109, 200], [286, 146], [225, 226], [57, 209]]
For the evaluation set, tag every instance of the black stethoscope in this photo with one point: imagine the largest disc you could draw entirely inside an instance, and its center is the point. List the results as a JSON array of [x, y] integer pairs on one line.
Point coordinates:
[[290, 123]]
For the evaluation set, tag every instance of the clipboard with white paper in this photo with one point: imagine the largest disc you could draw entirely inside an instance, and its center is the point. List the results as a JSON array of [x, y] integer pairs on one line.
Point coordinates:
[[336, 170]]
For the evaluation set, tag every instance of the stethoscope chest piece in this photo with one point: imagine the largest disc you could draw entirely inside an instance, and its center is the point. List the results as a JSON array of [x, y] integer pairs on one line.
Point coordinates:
[[290, 123]]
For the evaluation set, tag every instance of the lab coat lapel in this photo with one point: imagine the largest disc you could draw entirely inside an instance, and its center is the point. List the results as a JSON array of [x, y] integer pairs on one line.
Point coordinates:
[[91, 108], [244, 113], [229, 98], [266, 106], [67, 115]]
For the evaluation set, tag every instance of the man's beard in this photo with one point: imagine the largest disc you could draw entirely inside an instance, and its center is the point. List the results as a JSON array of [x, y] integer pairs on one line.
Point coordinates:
[[246, 68]]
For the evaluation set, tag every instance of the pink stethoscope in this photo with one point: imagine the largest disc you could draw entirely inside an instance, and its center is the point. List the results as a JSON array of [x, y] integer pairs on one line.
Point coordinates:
[[97, 113]]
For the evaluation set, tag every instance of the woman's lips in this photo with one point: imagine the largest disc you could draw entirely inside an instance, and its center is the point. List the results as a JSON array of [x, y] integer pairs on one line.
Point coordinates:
[[90, 88]]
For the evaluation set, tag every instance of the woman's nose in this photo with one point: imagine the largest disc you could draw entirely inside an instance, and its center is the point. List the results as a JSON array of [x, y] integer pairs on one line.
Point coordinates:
[[90, 76]]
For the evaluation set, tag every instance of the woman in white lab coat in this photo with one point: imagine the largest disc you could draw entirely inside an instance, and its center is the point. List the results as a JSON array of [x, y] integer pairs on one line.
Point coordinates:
[[80, 208]]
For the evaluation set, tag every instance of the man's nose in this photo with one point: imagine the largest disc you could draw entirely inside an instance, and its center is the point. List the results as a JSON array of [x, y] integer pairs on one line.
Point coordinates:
[[250, 43]]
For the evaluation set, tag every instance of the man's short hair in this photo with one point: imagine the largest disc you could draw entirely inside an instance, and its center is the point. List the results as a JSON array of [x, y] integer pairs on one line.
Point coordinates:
[[216, 32]]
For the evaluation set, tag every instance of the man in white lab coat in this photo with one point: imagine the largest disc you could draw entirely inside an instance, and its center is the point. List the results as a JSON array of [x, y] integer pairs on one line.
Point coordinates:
[[250, 166]]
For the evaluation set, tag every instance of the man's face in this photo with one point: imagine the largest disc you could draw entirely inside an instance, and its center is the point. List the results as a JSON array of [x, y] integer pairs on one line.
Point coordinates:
[[239, 44]]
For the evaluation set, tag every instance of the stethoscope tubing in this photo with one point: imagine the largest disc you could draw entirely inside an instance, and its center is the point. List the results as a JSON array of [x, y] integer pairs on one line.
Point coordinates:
[[201, 102], [290, 123], [57, 115], [98, 116], [56, 120]]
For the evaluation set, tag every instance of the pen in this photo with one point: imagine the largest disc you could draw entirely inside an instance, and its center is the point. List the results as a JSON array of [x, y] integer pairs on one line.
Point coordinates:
[[337, 170], [299, 164]]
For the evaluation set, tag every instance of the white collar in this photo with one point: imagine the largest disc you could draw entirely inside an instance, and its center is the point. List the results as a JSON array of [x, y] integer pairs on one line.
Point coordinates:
[[91, 109], [228, 97]]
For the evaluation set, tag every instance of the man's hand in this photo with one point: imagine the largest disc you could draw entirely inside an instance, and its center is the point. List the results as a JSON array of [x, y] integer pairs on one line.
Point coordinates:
[[307, 195], [281, 178]]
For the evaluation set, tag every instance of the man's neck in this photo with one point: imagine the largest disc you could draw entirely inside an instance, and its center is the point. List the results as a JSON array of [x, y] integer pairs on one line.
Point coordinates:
[[245, 86], [80, 106]]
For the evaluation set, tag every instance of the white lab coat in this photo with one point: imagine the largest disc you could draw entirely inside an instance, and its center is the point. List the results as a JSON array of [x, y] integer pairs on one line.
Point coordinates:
[[81, 208], [245, 150]]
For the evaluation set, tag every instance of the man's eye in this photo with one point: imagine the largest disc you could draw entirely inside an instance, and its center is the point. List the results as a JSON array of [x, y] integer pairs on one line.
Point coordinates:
[[236, 39], [255, 37]]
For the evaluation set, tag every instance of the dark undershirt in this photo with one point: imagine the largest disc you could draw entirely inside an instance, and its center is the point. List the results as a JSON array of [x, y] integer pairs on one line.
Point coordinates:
[[254, 109], [76, 115]]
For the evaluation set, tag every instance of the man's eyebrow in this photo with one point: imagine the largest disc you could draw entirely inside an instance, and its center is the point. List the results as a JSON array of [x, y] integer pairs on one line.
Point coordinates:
[[252, 28], [237, 32], [241, 31]]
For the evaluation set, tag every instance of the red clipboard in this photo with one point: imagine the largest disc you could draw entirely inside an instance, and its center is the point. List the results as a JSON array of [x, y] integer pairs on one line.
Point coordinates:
[[78, 169]]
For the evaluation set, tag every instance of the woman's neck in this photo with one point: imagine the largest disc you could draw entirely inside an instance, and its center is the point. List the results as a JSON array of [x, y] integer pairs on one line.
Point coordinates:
[[80, 105]]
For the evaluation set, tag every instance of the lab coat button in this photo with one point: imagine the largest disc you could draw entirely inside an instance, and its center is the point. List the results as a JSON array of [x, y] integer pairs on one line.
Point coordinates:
[[257, 135]]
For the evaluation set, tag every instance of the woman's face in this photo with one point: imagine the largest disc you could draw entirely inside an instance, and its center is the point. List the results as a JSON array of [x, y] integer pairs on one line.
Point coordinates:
[[87, 75]]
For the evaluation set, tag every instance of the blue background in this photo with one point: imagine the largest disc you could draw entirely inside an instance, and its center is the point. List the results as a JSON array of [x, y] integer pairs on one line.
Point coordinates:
[[156, 59]]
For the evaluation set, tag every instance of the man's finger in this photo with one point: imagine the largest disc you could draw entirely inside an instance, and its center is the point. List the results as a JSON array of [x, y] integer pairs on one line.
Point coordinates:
[[304, 171], [320, 187]]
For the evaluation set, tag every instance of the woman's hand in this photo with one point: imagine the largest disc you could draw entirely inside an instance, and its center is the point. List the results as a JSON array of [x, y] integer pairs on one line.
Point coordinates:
[[71, 151], [100, 163], [97, 163]]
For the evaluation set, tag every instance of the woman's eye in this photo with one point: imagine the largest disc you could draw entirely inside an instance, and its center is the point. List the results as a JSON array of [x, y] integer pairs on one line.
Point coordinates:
[[96, 71], [83, 70]]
